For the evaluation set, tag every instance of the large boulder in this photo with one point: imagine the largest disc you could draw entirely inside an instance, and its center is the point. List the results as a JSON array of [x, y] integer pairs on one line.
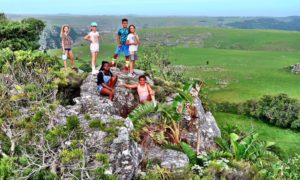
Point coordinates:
[[201, 129], [167, 158]]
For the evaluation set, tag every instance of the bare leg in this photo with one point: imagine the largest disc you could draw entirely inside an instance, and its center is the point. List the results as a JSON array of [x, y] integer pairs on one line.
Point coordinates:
[[112, 82], [71, 58], [108, 92], [131, 66], [95, 57], [65, 65]]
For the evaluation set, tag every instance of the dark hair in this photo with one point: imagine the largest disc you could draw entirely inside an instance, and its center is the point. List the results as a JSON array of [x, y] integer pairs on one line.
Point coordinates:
[[142, 76], [123, 20], [103, 62], [131, 26]]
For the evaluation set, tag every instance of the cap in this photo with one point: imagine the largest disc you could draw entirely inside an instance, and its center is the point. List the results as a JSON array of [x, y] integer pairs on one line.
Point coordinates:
[[94, 24]]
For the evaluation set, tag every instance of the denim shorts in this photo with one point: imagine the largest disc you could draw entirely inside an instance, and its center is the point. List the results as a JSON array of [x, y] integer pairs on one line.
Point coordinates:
[[123, 49], [99, 88]]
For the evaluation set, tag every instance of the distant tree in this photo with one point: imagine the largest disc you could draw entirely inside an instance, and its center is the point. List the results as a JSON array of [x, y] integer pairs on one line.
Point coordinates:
[[20, 35], [3, 17]]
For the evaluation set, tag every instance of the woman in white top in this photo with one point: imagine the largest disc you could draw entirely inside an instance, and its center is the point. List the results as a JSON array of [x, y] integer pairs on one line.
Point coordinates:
[[133, 41], [93, 37]]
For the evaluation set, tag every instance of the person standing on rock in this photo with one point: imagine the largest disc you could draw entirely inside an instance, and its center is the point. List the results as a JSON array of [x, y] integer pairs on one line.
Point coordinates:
[[133, 41], [122, 46], [146, 94], [66, 44], [106, 81], [93, 37]]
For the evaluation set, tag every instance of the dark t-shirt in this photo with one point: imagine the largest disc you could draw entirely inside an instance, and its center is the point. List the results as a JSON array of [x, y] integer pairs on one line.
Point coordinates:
[[100, 79]]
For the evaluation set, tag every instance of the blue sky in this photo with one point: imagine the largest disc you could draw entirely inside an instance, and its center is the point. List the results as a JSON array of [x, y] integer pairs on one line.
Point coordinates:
[[154, 7]]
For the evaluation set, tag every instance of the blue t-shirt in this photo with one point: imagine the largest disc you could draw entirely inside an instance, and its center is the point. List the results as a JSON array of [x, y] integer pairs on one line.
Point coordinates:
[[123, 33]]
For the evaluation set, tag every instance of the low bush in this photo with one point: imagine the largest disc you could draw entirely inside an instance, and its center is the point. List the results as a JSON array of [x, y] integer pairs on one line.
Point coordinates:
[[280, 110]]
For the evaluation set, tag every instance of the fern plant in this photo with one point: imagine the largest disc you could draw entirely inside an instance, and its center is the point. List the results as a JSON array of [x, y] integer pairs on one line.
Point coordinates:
[[170, 115], [189, 151]]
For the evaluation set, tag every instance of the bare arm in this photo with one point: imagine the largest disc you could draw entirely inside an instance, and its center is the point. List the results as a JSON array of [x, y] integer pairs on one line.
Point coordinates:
[[151, 92], [138, 41], [130, 86], [106, 86], [87, 37], [62, 45], [119, 40], [128, 43]]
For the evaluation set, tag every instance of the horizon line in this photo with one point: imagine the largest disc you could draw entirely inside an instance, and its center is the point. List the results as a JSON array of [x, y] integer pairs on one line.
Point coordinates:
[[137, 15]]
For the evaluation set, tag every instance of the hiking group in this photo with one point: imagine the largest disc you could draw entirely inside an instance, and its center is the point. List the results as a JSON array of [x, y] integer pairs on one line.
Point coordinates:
[[128, 42]]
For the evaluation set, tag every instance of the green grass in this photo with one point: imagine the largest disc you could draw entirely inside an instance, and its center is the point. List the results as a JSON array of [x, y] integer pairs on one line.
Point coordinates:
[[287, 140], [242, 39], [250, 74]]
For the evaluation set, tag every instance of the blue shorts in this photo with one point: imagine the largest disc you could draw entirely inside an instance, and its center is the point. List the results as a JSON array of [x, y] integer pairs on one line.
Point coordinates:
[[124, 48], [99, 88]]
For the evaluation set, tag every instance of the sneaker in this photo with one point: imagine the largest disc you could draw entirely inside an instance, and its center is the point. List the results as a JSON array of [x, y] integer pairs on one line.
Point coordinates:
[[130, 75]]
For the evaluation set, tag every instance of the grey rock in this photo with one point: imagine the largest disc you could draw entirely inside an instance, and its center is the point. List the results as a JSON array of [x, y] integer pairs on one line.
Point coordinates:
[[167, 158], [295, 68], [125, 155], [201, 130]]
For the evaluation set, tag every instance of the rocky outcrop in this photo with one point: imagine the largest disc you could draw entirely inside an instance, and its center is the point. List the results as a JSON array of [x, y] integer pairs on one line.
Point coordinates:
[[200, 129], [125, 155], [295, 68]]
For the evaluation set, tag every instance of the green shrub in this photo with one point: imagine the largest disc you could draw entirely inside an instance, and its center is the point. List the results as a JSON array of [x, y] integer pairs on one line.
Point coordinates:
[[72, 122], [20, 35], [104, 158], [279, 110], [296, 124], [96, 123], [227, 107], [6, 168], [68, 156]]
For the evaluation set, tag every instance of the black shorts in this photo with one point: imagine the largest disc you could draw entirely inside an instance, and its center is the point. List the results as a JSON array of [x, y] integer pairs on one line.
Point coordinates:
[[68, 49]]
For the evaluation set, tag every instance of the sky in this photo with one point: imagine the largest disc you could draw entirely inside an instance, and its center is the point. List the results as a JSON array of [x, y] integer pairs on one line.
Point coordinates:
[[277, 8]]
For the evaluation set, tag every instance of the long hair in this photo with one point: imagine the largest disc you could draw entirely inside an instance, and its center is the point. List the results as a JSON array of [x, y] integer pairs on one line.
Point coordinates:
[[101, 69], [130, 27], [62, 29], [103, 62]]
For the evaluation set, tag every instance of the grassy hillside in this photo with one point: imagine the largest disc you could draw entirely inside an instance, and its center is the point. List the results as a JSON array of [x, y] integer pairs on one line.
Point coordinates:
[[287, 140], [234, 75], [259, 40]]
